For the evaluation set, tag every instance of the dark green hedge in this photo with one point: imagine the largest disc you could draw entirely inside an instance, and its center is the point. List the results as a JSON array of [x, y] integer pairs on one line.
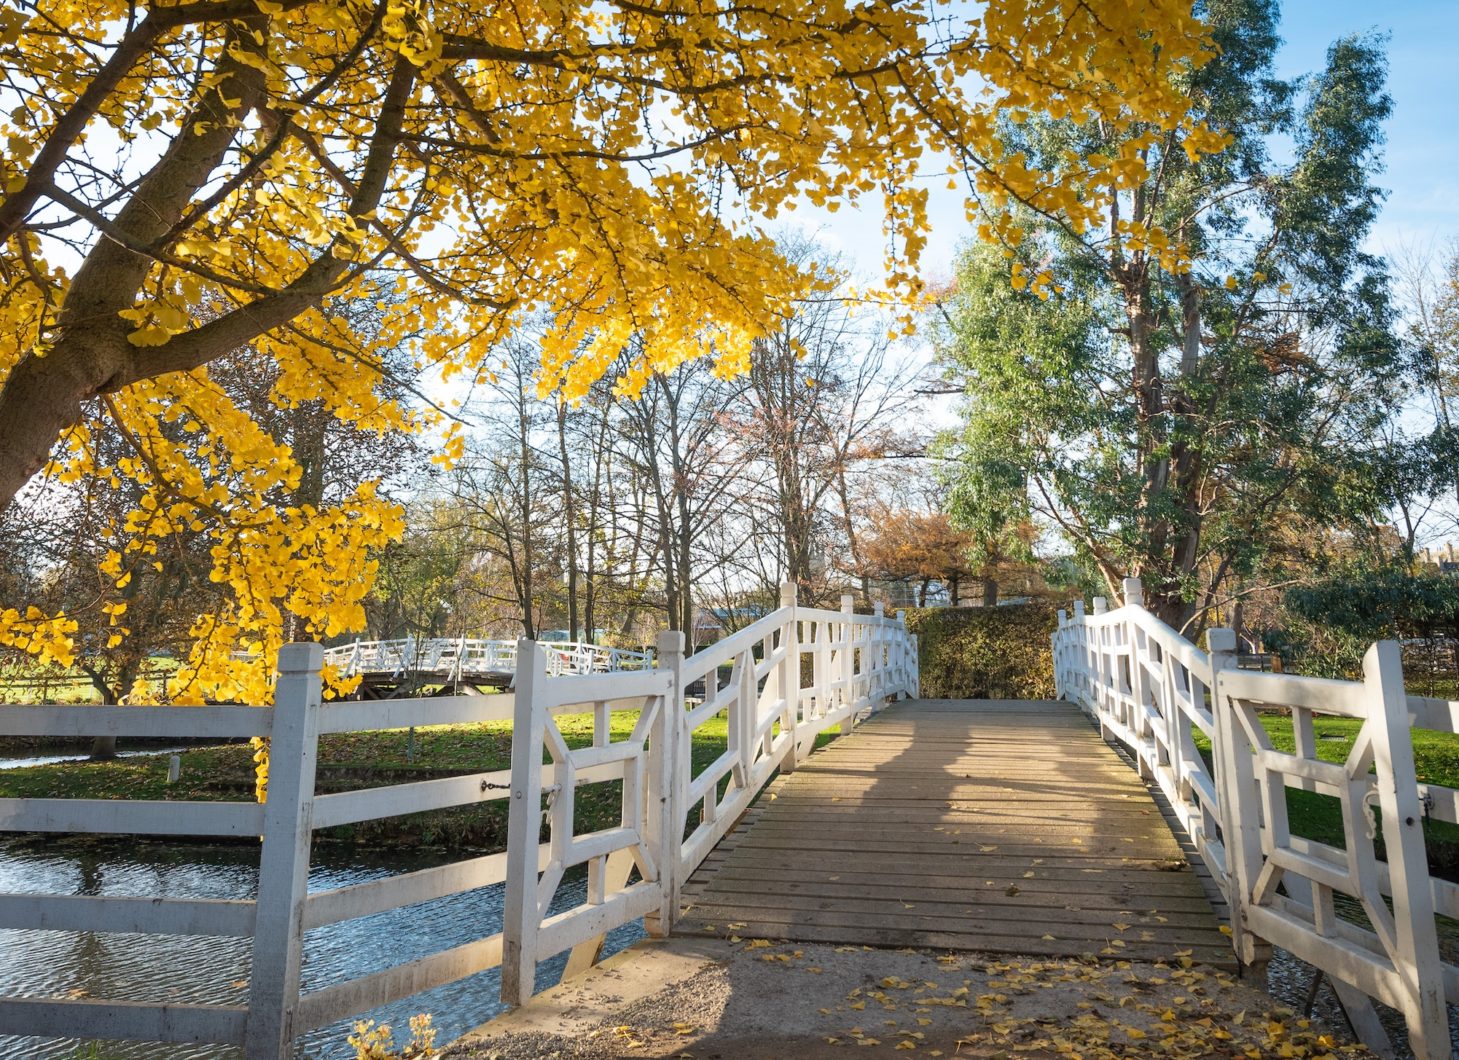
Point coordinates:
[[985, 653]]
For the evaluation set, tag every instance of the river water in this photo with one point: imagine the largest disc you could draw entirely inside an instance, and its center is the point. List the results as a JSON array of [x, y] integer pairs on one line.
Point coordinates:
[[50, 760], [1290, 981], [196, 969], [189, 969]]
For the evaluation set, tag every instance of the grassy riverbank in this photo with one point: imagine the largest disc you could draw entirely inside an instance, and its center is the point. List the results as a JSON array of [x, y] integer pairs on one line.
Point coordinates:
[[1319, 817], [359, 760]]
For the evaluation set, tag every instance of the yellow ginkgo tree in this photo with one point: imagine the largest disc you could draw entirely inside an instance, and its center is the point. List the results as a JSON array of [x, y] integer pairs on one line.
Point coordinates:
[[183, 179]]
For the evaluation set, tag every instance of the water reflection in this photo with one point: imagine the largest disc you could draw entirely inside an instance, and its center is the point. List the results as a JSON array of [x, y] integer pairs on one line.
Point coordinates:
[[1290, 980], [50, 760], [216, 970], [197, 970]]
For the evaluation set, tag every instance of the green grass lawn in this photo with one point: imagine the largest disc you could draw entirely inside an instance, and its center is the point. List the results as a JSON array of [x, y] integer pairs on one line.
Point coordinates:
[[66, 688], [356, 760], [1319, 817], [22, 682]]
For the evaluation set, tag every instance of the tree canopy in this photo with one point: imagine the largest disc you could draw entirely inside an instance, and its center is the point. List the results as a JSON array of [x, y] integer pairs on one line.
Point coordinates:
[[1170, 410], [184, 179]]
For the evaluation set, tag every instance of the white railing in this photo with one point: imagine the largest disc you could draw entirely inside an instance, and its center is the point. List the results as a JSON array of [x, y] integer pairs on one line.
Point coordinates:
[[856, 663], [459, 658], [635, 867], [1152, 690]]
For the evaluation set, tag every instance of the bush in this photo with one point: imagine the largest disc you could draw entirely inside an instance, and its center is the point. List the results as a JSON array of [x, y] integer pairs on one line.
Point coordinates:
[[986, 653]]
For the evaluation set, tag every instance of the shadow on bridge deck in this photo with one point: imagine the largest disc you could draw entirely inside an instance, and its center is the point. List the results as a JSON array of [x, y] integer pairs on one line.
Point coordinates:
[[994, 826]]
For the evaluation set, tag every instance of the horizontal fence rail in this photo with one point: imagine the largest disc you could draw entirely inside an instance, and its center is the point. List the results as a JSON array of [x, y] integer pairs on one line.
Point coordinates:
[[775, 685], [1365, 917]]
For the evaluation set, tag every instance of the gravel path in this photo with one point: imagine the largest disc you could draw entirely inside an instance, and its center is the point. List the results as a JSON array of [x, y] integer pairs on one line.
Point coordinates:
[[713, 998]]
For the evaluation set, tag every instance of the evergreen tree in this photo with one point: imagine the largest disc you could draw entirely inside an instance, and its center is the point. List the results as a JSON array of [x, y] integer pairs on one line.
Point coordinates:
[[1168, 402]]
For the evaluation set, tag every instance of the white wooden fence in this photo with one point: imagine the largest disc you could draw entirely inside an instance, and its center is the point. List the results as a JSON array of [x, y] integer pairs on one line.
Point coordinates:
[[1153, 691], [791, 675], [459, 658]]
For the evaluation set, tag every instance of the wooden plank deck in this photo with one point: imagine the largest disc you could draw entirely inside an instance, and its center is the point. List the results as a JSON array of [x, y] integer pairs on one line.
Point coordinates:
[[999, 826]]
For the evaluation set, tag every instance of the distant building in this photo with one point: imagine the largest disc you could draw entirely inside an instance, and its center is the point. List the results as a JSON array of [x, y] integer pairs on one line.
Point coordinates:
[[712, 623], [1443, 557]]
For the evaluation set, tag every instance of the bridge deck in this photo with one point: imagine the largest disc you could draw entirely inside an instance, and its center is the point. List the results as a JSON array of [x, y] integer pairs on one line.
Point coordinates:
[[1006, 827]]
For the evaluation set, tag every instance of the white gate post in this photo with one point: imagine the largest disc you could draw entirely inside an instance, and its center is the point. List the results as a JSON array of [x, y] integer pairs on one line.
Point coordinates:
[[1240, 797], [1101, 633], [915, 650], [790, 674], [283, 870], [1056, 644], [1418, 964], [1139, 682], [521, 917], [876, 641], [903, 656], [1081, 643], [668, 785], [848, 662]]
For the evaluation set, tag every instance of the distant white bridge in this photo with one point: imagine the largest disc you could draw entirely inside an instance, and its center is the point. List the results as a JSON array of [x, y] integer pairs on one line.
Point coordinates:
[[400, 667]]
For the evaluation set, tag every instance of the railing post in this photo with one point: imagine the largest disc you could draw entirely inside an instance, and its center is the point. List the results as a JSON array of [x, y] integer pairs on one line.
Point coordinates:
[[283, 870], [1099, 658], [1240, 797], [1138, 679], [1057, 652], [1082, 641], [903, 656], [916, 645], [520, 917], [668, 784], [1418, 964], [848, 662], [789, 677], [876, 641], [1134, 595]]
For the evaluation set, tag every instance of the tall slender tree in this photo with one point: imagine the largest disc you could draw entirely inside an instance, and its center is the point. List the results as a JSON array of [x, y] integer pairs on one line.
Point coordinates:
[[1218, 354]]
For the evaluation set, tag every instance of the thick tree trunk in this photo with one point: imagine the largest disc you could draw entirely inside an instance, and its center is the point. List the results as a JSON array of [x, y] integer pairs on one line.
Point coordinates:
[[104, 748], [990, 591], [43, 396]]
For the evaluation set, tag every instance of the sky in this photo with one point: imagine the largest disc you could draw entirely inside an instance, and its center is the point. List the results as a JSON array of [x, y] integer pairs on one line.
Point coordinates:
[[1422, 155]]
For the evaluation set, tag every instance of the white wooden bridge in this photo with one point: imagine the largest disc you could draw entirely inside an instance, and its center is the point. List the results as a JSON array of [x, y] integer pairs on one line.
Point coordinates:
[[389, 669], [1017, 828]]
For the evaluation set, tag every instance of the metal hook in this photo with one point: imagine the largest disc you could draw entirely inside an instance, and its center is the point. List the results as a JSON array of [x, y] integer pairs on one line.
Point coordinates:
[[1370, 803]]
